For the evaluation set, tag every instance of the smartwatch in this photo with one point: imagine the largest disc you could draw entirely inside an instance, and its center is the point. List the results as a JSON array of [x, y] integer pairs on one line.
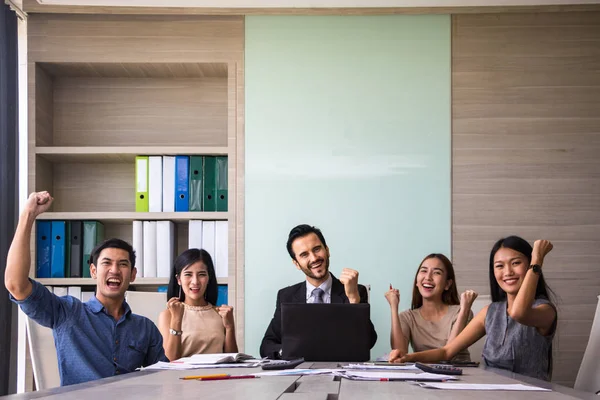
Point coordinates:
[[537, 269], [174, 332]]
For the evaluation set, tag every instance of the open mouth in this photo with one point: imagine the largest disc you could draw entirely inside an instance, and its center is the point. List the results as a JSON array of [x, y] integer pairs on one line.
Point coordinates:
[[316, 265], [195, 290], [113, 283], [511, 281], [428, 286]]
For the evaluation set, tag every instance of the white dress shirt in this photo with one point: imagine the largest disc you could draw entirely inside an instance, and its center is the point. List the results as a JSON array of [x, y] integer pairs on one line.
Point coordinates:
[[325, 286]]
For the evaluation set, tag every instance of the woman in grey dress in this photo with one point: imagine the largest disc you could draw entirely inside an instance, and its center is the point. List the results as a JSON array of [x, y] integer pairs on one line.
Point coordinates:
[[521, 320]]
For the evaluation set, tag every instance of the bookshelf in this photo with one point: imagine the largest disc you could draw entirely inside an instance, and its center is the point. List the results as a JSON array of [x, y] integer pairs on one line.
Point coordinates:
[[93, 119], [104, 88]]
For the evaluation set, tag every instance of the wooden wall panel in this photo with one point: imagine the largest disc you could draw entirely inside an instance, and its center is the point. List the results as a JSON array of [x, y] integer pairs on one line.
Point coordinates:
[[131, 39], [130, 112], [525, 144]]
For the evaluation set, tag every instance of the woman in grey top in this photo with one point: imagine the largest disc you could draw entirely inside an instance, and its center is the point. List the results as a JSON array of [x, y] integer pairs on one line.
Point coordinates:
[[519, 323]]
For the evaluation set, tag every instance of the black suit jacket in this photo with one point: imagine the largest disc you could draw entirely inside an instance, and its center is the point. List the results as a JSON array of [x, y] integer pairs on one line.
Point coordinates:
[[271, 343]]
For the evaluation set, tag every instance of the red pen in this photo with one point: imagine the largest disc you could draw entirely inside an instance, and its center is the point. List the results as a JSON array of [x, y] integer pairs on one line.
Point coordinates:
[[219, 378], [391, 286]]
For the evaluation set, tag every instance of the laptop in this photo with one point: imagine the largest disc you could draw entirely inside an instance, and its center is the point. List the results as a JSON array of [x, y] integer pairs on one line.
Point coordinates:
[[326, 332]]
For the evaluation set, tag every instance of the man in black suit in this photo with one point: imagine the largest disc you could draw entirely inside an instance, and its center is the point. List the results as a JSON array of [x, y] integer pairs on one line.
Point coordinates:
[[310, 254]]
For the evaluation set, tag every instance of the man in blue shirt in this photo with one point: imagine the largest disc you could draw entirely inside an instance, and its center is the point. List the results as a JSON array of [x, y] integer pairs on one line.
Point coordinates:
[[96, 339]]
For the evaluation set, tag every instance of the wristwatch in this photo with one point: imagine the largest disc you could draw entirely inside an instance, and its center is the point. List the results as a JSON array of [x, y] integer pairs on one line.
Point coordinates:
[[536, 268], [174, 332]]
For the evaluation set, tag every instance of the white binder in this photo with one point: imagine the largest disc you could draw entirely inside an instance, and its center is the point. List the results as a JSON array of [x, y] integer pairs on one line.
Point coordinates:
[[221, 249], [165, 247], [150, 249], [208, 238], [168, 185], [195, 234], [155, 184]]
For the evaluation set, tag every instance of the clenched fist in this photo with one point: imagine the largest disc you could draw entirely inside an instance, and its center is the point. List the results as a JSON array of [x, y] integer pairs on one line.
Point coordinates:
[[37, 203], [175, 307], [349, 278], [540, 249], [226, 313], [393, 297], [467, 298]]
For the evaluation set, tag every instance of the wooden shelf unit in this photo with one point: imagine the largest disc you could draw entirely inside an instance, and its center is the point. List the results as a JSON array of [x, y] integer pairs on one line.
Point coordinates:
[[93, 119]]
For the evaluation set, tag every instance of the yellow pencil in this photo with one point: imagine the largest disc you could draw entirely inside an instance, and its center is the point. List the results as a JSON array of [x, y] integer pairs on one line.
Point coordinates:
[[185, 378]]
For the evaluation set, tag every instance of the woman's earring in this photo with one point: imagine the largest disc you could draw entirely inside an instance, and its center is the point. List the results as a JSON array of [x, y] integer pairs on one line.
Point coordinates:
[[180, 292]]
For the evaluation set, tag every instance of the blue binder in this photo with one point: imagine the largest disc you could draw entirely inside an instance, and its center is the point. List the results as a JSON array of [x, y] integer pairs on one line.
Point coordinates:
[[42, 251], [182, 173], [222, 295], [57, 264]]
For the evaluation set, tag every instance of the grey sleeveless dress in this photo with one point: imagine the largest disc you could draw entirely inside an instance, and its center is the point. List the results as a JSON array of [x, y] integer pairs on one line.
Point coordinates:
[[515, 347]]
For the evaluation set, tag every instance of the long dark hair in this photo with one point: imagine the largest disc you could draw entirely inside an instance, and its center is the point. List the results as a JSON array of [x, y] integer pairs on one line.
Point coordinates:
[[517, 244], [184, 260], [449, 296]]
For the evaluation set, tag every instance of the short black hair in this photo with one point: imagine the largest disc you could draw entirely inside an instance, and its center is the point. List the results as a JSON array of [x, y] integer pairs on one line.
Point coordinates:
[[301, 231], [113, 243], [184, 260]]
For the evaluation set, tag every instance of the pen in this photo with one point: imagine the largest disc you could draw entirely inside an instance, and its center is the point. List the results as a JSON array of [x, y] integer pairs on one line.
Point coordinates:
[[229, 377], [390, 286], [185, 378]]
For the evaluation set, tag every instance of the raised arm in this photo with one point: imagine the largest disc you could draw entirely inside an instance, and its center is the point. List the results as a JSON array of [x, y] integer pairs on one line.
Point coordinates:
[[541, 317], [226, 313], [168, 319], [16, 276], [397, 339], [466, 302], [472, 333]]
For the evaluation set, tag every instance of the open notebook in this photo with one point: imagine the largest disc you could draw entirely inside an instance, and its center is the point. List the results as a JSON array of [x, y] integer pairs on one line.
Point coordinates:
[[219, 358]]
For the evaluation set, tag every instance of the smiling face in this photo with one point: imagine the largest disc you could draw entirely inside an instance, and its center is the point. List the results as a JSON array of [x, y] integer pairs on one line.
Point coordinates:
[[113, 274], [510, 267], [312, 258], [193, 280], [432, 279]]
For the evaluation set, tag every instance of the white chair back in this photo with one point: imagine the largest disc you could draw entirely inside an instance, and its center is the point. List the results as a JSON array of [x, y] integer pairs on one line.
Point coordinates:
[[147, 304], [477, 348], [44, 361], [588, 378]]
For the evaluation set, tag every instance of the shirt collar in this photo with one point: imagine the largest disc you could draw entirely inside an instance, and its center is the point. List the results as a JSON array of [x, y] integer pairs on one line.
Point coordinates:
[[95, 306], [325, 286]]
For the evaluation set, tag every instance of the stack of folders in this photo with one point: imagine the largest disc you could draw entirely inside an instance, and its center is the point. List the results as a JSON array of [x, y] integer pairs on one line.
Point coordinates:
[[74, 291], [154, 245], [64, 248], [180, 183]]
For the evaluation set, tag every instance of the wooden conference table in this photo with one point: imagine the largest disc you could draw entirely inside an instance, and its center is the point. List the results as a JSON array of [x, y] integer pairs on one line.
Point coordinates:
[[167, 385]]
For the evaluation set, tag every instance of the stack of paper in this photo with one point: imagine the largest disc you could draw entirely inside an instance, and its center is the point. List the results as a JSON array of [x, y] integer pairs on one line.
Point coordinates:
[[220, 358], [390, 367], [394, 376], [482, 386]]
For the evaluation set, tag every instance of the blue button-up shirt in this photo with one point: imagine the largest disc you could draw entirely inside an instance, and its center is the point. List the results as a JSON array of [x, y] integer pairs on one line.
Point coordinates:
[[90, 344]]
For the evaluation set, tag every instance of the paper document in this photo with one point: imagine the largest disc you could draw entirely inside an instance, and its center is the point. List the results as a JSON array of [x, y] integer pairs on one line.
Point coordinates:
[[482, 386], [394, 376], [287, 372], [390, 367], [211, 359], [181, 366]]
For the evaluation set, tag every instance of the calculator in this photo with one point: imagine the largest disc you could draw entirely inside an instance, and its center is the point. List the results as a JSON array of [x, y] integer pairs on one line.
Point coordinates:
[[273, 365], [439, 369]]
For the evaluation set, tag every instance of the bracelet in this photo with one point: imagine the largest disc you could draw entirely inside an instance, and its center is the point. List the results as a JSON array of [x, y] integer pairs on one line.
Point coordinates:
[[174, 332]]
